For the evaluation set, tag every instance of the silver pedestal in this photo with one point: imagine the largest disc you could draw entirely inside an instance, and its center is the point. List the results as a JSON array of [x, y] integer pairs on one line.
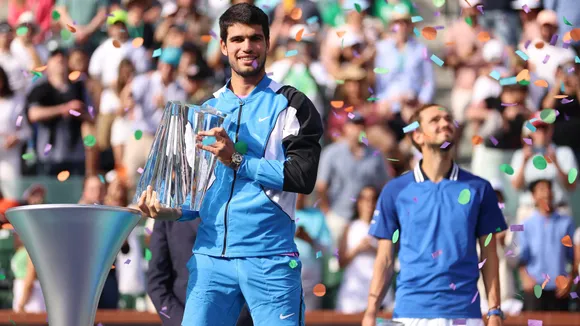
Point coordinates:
[[73, 248]]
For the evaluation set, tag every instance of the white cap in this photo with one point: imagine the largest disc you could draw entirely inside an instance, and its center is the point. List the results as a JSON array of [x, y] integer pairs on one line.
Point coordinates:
[[471, 4], [493, 50], [168, 9], [532, 4], [306, 35], [26, 17]]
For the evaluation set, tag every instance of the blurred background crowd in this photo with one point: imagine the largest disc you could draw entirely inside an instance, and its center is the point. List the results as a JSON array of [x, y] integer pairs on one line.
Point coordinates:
[[83, 85]]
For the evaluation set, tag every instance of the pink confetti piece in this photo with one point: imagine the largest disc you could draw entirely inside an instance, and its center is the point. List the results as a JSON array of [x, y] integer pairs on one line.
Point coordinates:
[[439, 27], [140, 170], [255, 64], [371, 90], [526, 9], [493, 140], [164, 315], [566, 101], [73, 112], [509, 253], [577, 279], [18, 121], [528, 141], [91, 111], [534, 322], [445, 144], [480, 8], [554, 39], [437, 253], [565, 45], [480, 265], [501, 205], [509, 104], [164, 308], [573, 295], [316, 203], [148, 231], [355, 54], [528, 42], [127, 262], [437, 14], [47, 149], [425, 54], [270, 74], [351, 115], [365, 141], [456, 123], [452, 286], [99, 324], [474, 297], [213, 34], [516, 227], [459, 322], [546, 58]]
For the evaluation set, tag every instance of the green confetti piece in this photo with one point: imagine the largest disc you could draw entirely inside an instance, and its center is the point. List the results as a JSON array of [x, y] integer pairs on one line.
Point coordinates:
[[241, 147], [2, 277], [548, 115], [464, 196], [379, 70], [138, 134], [488, 239], [22, 30], [28, 156], [55, 15], [89, 141], [438, 3], [357, 7], [13, 322], [539, 162], [65, 34], [393, 159], [469, 21], [498, 229], [566, 21], [372, 99], [156, 53], [147, 254], [396, 236], [507, 169], [340, 82], [572, 175], [293, 264], [538, 290], [524, 82], [361, 136]]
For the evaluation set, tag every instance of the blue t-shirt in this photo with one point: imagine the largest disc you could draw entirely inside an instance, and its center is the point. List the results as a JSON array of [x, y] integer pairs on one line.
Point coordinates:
[[439, 225], [541, 249]]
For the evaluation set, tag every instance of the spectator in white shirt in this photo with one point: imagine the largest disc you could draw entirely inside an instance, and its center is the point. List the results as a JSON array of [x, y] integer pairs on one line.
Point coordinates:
[[23, 47], [11, 64], [104, 67]]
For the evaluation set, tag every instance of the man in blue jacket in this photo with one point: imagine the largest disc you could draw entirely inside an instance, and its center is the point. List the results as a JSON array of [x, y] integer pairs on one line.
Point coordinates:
[[268, 149]]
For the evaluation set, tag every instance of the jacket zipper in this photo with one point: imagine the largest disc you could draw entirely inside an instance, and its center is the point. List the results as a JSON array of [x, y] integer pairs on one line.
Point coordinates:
[[233, 183]]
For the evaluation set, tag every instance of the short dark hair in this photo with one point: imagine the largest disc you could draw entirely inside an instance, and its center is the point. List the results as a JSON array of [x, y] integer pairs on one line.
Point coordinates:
[[5, 89], [246, 14], [416, 117], [535, 183]]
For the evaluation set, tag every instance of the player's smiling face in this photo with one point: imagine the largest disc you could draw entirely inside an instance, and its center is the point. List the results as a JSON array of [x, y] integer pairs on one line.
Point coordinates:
[[246, 48], [435, 128]]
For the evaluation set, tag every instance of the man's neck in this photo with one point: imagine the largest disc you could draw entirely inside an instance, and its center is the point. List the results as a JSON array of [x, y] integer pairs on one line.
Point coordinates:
[[436, 165], [243, 86], [545, 213], [56, 81]]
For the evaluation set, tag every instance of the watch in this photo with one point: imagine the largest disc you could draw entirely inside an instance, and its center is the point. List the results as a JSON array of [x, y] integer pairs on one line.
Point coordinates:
[[495, 312], [237, 159]]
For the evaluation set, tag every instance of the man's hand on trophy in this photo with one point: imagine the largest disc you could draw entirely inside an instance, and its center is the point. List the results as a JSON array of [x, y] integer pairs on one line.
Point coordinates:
[[150, 206], [222, 147]]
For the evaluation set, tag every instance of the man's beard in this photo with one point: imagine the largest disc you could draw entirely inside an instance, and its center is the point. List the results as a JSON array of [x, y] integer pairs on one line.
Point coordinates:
[[250, 73]]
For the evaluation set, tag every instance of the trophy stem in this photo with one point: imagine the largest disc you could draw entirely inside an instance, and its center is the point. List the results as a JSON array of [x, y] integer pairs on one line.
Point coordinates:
[[72, 248]]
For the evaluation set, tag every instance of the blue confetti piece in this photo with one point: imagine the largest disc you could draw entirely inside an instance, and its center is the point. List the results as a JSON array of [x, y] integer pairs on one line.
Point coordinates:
[[157, 53], [318, 254], [411, 127], [495, 75], [312, 20], [437, 60], [577, 59], [416, 19], [101, 178], [530, 126], [508, 81], [522, 55], [416, 31], [208, 141], [562, 88], [291, 53]]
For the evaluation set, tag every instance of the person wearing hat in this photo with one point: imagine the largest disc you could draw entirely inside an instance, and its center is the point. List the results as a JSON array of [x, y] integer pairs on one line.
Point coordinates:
[[12, 65], [568, 9], [104, 68], [528, 11], [561, 160], [150, 92], [32, 55]]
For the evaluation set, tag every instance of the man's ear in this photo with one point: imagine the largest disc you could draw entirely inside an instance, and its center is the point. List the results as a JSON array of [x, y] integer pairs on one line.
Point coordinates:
[[417, 137], [223, 47]]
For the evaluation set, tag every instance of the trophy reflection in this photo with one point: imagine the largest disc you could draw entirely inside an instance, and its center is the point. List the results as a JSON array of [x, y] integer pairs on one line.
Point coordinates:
[[175, 167]]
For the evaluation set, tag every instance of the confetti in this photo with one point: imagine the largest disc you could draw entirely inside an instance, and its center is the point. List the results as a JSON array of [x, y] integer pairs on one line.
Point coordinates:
[[538, 291], [480, 265], [566, 21], [524, 74], [291, 53], [89, 140], [22, 30], [140, 170], [541, 83], [539, 162], [526, 9], [380, 70], [357, 7], [74, 113], [522, 55], [495, 75], [411, 127], [528, 141], [293, 264], [488, 239], [138, 134], [534, 322], [117, 44], [429, 33], [493, 140], [508, 81], [573, 295], [483, 36], [318, 254], [459, 322], [63, 176], [567, 241], [19, 121], [561, 281], [464, 196], [548, 115], [452, 286], [445, 144], [65, 34], [127, 262], [71, 28], [28, 156], [101, 178], [438, 3], [241, 147], [572, 175], [47, 149], [530, 126], [474, 297], [437, 253], [156, 53], [396, 236], [147, 254], [507, 169], [437, 60], [319, 289], [469, 21], [416, 19], [337, 104], [55, 15], [516, 227], [137, 42], [74, 75], [546, 58], [554, 39]]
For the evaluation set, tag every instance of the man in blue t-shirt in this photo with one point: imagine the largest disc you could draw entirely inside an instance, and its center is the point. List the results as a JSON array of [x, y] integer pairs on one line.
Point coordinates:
[[435, 215]]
